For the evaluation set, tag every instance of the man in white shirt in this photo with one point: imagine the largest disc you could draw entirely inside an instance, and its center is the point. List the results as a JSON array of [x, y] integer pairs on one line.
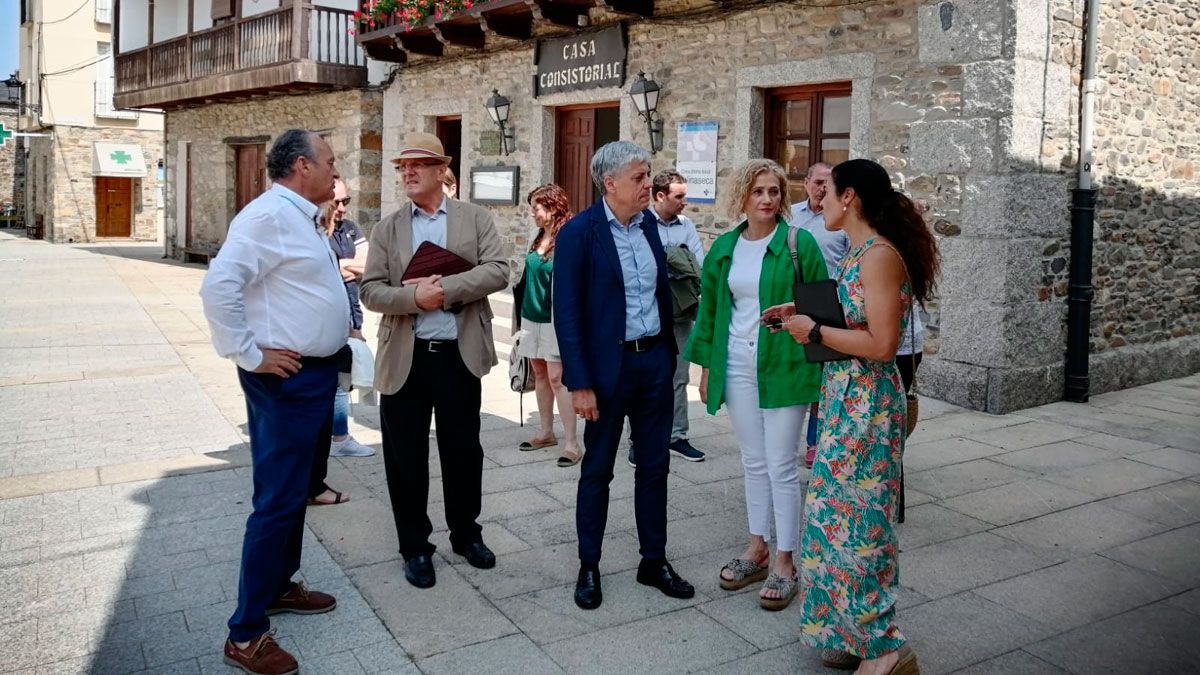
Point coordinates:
[[277, 307], [833, 244]]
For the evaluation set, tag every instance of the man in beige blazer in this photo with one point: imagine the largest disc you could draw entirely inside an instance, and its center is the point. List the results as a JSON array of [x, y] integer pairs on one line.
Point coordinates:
[[435, 345]]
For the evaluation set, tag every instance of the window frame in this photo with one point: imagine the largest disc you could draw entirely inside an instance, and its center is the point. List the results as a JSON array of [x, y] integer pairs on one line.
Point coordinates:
[[816, 94]]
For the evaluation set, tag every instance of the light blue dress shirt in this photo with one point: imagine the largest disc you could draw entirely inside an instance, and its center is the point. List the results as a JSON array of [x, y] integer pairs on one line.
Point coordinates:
[[434, 324], [639, 270], [833, 244], [680, 231]]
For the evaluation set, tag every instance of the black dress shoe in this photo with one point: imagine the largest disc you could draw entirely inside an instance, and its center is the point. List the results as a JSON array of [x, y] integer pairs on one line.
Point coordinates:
[[587, 588], [660, 574], [419, 571], [477, 555]]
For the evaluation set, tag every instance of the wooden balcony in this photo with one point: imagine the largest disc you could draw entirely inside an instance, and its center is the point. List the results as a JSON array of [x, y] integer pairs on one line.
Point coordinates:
[[296, 48]]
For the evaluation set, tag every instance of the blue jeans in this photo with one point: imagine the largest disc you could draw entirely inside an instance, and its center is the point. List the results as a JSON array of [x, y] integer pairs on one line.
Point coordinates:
[[289, 421], [341, 412]]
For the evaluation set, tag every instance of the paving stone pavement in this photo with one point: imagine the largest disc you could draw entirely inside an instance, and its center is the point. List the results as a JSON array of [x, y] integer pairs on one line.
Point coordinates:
[[1064, 538]]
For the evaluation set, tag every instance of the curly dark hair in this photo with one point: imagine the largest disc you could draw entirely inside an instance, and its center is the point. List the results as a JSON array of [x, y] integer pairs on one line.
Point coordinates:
[[554, 199], [894, 217], [290, 146]]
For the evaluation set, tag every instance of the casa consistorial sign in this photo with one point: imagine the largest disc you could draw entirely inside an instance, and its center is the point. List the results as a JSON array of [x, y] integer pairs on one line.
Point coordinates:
[[580, 61]]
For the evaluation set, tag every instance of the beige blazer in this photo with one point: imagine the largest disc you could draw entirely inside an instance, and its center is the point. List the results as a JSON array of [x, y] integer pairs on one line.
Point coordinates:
[[471, 234]]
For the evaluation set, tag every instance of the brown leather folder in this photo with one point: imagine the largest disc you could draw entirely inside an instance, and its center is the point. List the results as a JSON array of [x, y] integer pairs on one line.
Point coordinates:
[[430, 259]]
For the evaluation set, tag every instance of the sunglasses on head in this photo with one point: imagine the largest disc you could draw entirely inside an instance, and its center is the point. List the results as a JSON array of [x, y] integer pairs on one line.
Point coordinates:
[[345, 201]]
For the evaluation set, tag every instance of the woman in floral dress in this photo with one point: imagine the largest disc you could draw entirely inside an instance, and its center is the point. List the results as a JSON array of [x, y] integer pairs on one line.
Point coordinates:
[[848, 567]]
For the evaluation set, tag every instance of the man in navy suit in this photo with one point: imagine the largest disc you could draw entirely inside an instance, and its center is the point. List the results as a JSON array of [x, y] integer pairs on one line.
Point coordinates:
[[612, 317]]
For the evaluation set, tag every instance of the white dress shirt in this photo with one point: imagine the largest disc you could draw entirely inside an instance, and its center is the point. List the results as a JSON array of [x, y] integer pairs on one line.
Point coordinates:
[[432, 324], [275, 283], [833, 244]]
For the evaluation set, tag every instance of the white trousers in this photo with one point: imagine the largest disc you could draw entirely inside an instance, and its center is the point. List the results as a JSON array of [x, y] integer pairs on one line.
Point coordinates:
[[768, 440]]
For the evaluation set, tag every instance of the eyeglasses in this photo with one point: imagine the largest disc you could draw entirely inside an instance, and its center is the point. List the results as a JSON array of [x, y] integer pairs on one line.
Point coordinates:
[[344, 201], [404, 166]]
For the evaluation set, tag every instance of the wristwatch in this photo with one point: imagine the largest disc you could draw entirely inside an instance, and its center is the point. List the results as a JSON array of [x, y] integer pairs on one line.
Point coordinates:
[[814, 335]]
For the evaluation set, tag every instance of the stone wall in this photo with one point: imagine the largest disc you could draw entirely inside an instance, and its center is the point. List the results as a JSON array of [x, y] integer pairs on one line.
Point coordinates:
[[62, 188], [12, 178], [971, 105], [350, 120], [1146, 312]]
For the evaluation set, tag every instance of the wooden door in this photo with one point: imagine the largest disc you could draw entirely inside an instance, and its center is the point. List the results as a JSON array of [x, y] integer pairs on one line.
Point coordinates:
[[449, 132], [251, 173], [187, 238], [114, 206], [572, 159]]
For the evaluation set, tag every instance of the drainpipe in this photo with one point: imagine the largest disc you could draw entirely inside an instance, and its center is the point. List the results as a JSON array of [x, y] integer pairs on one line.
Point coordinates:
[[1083, 215]]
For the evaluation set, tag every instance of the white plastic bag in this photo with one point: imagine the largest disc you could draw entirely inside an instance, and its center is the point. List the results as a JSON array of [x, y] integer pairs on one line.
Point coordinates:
[[362, 370]]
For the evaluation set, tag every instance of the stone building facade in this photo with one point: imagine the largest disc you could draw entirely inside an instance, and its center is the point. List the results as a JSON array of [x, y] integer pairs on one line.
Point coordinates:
[[350, 121], [972, 105], [12, 165], [62, 184]]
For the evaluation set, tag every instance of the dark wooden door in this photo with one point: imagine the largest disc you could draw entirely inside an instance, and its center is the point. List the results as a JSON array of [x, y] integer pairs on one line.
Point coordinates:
[[187, 237], [449, 132], [251, 173], [114, 206], [573, 156]]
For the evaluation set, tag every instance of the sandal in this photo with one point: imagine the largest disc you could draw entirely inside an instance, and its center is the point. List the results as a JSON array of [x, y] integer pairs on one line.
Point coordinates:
[[537, 444], [787, 587], [567, 459], [338, 498], [835, 658], [745, 572]]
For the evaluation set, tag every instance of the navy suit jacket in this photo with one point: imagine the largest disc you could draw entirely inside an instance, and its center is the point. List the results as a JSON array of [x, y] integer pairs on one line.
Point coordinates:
[[589, 300]]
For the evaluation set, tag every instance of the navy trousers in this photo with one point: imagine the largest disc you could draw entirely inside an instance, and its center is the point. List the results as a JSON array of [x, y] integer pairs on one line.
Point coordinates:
[[644, 394], [290, 420]]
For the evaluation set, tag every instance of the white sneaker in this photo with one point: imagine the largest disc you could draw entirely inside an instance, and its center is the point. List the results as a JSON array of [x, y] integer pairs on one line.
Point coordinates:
[[349, 448]]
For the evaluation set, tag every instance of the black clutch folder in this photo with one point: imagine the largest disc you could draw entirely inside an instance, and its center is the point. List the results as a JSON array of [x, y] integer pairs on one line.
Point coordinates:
[[818, 300], [429, 259]]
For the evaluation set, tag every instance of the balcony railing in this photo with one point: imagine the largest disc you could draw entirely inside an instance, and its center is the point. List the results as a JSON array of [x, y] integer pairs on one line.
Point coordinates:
[[252, 42]]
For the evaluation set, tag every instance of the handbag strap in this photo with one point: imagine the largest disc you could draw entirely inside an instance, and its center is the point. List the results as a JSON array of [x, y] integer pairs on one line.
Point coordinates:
[[792, 241]]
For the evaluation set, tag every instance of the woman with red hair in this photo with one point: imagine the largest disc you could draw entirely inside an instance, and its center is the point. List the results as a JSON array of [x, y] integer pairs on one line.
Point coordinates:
[[531, 316]]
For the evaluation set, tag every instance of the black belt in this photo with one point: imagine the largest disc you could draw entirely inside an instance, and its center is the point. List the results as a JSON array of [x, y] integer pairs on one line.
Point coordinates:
[[337, 357], [434, 346], [643, 344]]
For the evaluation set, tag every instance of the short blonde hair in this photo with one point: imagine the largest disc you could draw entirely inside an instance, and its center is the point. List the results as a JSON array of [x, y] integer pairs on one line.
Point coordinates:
[[743, 177]]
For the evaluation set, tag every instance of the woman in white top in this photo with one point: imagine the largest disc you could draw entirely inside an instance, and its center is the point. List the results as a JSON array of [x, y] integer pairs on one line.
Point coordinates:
[[765, 381]]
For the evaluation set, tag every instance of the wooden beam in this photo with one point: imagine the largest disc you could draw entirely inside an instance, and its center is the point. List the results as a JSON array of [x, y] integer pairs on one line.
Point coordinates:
[[465, 35], [426, 45], [512, 26], [630, 7], [566, 16]]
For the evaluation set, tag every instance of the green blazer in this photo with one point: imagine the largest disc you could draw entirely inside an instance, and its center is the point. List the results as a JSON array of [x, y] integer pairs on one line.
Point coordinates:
[[785, 377]]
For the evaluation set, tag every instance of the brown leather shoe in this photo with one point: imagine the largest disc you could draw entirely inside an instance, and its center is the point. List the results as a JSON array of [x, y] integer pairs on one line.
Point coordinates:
[[263, 656], [833, 658], [300, 600]]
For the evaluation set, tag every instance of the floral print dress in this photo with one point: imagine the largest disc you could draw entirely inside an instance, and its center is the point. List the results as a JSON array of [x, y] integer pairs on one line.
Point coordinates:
[[848, 569]]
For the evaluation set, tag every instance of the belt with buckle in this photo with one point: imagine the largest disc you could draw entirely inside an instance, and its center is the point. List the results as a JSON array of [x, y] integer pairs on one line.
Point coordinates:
[[434, 346], [642, 344]]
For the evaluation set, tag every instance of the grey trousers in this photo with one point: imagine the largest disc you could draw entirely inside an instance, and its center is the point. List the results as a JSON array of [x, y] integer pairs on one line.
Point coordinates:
[[679, 424]]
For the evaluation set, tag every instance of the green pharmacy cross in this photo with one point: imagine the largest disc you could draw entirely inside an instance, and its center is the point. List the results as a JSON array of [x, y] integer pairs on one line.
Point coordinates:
[[120, 156], [5, 134]]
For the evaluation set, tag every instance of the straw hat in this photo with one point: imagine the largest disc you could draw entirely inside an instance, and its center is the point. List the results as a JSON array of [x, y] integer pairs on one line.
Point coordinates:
[[419, 145]]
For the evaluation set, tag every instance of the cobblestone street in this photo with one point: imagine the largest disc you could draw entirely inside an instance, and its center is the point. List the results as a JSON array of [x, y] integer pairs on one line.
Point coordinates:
[[1063, 538]]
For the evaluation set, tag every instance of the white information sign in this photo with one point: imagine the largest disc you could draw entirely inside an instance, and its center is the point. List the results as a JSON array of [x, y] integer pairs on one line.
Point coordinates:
[[697, 160]]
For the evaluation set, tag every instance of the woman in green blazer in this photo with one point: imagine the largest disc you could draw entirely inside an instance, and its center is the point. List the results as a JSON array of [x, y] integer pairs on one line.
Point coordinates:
[[763, 377]]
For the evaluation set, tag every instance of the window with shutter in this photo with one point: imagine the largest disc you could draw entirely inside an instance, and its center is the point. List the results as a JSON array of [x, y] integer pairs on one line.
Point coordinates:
[[806, 125], [222, 9]]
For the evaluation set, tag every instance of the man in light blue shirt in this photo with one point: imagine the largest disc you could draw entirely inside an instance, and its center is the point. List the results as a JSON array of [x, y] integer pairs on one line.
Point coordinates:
[[640, 272], [432, 324], [669, 198], [807, 216]]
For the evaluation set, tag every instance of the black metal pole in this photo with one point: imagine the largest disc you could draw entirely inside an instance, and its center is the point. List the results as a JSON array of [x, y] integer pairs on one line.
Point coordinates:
[[1079, 294]]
